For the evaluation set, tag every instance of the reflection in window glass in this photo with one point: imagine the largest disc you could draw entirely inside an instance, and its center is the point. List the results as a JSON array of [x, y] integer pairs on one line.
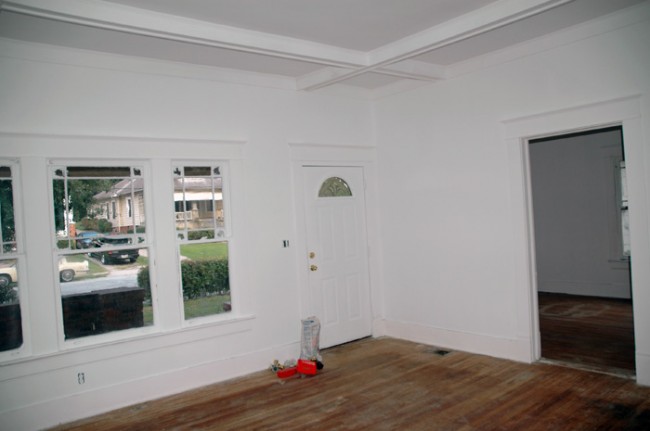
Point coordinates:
[[11, 334], [103, 257], [100, 298], [203, 251]]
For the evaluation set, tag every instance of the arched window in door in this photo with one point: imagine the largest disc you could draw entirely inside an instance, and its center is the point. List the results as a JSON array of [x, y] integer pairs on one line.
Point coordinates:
[[334, 187]]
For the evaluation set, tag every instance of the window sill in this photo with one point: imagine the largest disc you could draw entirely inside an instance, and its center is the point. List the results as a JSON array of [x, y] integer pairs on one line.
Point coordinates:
[[103, 350]]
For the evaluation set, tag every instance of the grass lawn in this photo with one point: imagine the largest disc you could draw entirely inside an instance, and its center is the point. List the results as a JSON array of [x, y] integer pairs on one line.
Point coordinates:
[[94, 269], [194, 308], [205, 251], [205, 306]]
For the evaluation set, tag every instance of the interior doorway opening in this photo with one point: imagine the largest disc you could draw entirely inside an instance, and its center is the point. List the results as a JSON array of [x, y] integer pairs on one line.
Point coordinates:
[[579, 202]]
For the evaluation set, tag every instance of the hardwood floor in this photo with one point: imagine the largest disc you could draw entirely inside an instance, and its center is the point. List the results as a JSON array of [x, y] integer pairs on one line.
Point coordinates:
[[389, 384], [586, 331]]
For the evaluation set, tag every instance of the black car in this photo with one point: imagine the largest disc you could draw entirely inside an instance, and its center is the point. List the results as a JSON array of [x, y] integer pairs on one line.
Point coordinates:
[[108, 256], [85, 239]]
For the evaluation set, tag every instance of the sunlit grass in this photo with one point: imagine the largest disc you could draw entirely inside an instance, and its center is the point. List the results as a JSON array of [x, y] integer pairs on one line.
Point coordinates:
[[207, 306], [94, 269], [198, 307], [205, 251]]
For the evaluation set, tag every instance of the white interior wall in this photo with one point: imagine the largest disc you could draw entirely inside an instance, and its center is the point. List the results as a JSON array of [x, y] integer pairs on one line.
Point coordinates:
[[455, 243], [578, 243], [62, 111]]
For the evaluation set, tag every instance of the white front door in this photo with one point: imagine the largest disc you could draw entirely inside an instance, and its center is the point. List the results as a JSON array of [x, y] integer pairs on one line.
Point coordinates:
[[339, 292]]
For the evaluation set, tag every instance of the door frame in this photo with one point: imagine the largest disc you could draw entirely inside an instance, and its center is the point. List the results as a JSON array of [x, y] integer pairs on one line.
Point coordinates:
[[323, 155], [518, 131]]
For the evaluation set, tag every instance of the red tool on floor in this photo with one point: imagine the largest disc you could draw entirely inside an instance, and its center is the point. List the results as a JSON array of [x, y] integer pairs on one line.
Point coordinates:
[[307, 367]]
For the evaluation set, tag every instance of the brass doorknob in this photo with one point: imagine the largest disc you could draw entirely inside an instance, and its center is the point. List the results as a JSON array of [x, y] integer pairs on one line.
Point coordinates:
[[313, 268]]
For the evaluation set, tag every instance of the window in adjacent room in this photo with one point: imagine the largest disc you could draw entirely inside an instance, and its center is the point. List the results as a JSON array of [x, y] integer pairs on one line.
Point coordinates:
[[624, 212]]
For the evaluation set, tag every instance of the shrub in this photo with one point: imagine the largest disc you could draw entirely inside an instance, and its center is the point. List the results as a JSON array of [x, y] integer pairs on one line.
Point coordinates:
[[200, 278], [143, 282], [8, 295], [199, 234], [205, 277], [98, 225]]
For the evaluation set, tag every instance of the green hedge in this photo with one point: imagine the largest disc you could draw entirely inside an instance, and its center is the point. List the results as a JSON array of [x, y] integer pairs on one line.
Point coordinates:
[[143, 282], [8, 295], [200, 278]]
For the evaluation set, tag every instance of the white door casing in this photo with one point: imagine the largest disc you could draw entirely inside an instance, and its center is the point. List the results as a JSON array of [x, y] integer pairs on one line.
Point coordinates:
[[627, 112], [336, 237]]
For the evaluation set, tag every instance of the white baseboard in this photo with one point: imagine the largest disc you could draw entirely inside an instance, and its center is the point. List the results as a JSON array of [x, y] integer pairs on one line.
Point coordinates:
[[643, 369], [519, 349], [81, 405]]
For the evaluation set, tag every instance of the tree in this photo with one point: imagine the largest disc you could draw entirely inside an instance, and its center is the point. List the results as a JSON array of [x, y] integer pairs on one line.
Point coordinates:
[[80, 199]]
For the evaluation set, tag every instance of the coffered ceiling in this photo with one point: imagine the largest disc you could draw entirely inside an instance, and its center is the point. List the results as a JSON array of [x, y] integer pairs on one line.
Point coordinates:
[[314, 43]]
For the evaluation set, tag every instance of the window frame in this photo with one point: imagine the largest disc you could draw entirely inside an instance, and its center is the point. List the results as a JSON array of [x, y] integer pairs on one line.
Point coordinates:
[[56, 253], [43, 330], [20, 255], [228, 237]]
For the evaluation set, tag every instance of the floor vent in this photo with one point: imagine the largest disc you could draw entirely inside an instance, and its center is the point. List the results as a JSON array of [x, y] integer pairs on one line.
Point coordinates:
[[437, 351]]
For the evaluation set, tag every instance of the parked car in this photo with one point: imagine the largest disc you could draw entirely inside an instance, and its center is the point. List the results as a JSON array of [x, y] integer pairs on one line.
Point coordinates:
[[108, 256], [68, 270], [85, 239]]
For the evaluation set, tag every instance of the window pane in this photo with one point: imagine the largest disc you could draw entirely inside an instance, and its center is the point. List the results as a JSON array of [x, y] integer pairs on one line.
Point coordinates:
[[11, 333], [105, 291], [196, 171], [7, 224], [334, 187], [205, 279], [100, 210], [95, 204], [98, 171], [198, 202]]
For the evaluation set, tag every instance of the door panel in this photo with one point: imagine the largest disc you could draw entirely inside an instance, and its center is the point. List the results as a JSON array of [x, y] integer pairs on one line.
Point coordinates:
[[338, 276]]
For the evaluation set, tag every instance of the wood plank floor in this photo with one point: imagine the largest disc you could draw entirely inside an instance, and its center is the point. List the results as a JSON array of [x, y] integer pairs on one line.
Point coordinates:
[[586, 331], [389, 384]]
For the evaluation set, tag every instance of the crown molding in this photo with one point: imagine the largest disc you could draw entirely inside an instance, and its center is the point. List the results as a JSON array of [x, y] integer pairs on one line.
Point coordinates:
[[33, 51], [113, 16]]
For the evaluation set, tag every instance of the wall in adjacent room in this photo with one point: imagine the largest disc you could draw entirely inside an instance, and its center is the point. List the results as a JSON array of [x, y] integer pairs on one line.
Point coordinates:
[[576, 211]]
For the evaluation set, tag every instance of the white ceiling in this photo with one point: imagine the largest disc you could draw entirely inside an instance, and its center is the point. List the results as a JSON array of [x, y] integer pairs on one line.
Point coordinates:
[[317, 43]]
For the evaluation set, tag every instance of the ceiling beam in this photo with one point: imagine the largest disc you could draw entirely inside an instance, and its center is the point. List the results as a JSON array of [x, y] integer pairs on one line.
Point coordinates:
[[408, 69], [490, 17]]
